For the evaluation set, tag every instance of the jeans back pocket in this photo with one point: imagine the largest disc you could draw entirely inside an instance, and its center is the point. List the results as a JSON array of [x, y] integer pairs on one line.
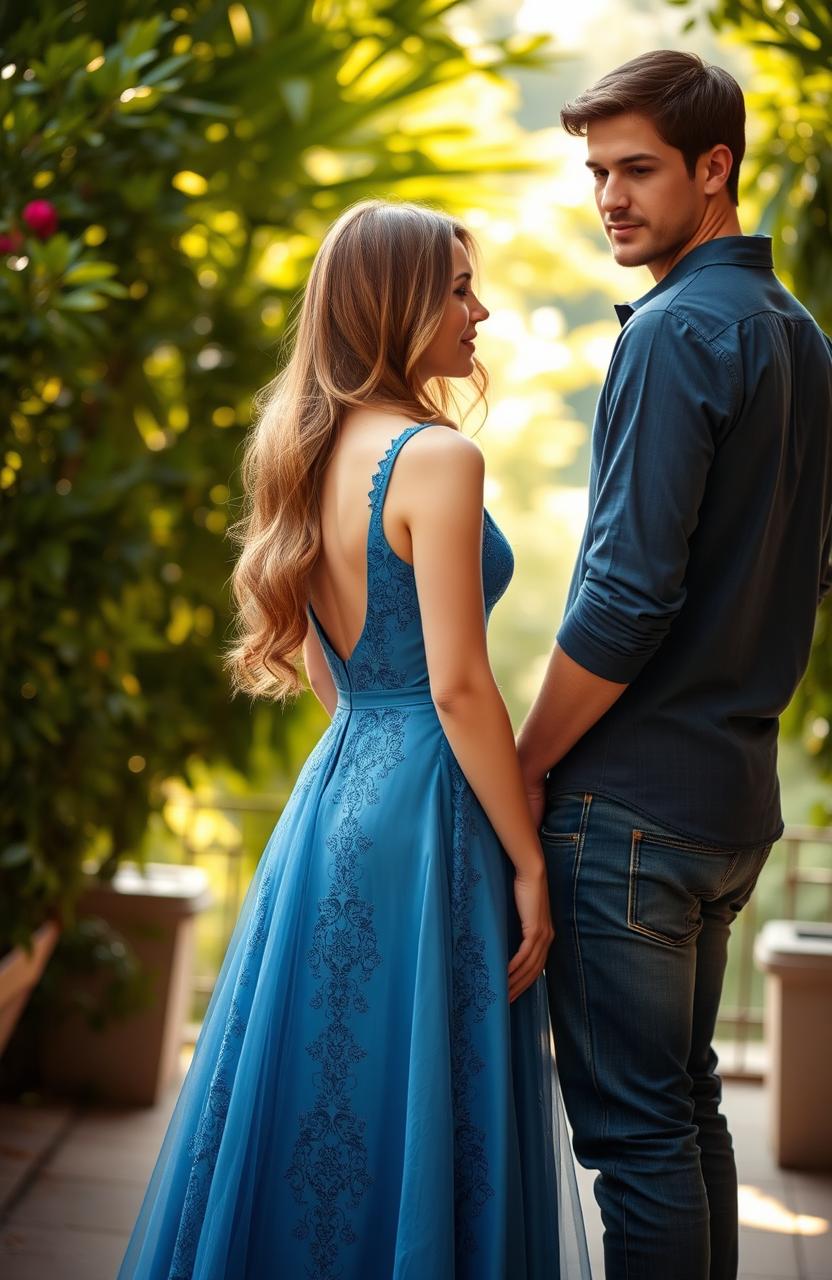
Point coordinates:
[[669, 879]]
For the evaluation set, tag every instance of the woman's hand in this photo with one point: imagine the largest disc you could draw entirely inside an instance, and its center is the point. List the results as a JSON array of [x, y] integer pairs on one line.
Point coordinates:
[[536, 796], [531, 895]]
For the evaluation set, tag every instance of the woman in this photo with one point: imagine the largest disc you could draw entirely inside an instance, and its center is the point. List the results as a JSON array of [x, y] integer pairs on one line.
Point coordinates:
[[373, 1092]]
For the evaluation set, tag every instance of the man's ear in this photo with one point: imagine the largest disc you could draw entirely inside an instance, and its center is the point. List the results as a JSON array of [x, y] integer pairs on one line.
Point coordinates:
[[718, 163]]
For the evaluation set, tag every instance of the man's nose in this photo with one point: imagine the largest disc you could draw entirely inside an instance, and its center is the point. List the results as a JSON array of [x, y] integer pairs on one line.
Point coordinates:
[[614, 195]]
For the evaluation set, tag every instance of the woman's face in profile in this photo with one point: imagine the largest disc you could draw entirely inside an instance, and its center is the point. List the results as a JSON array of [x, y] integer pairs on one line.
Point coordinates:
[[450, 354]]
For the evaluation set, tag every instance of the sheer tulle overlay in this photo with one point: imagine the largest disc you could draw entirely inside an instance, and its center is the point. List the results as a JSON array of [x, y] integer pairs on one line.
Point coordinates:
[[362, 1100]]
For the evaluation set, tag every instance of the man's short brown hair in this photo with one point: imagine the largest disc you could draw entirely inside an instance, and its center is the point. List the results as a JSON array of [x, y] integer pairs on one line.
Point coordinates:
[[692, 106]]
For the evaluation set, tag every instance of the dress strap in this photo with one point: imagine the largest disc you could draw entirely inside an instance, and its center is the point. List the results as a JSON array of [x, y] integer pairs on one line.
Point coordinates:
[[381, 479]]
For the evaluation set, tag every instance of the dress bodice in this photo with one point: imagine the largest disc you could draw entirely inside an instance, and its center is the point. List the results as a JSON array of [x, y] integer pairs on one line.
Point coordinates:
[[390, 651]]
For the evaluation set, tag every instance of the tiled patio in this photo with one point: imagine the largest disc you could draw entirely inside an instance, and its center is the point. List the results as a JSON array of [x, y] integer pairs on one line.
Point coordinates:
[[71, 1183]]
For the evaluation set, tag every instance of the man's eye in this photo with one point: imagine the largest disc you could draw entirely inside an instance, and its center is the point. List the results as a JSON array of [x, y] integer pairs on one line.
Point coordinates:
[[640, 171]]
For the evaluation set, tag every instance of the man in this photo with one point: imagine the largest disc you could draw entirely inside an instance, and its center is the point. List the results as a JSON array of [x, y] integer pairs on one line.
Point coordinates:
[[650, 752]]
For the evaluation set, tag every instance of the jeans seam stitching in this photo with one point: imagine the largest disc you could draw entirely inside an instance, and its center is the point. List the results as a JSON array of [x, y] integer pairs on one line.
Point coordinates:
[[728, 870], [691, 846], [579, 958], [661, 937], [632, 903]]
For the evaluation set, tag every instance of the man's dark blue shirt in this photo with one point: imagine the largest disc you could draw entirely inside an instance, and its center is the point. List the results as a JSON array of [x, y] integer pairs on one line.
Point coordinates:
[[707, 545]]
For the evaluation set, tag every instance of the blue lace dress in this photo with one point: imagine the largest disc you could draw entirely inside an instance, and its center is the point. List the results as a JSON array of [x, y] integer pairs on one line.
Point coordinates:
[[362, 1101]]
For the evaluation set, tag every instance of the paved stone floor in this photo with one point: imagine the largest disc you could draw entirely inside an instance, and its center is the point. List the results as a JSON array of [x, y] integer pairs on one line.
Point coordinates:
[[71, 1183]]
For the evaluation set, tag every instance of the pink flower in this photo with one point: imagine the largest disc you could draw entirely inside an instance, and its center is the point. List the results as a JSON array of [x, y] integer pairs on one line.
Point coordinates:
[[41, 217], [11, 242]]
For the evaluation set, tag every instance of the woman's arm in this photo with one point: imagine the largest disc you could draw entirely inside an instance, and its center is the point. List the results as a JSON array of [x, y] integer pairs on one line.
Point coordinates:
[[318, 672], [442, 494]]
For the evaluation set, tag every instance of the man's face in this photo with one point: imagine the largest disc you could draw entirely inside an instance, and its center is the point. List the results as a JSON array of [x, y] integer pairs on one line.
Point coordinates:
[[648, 202]]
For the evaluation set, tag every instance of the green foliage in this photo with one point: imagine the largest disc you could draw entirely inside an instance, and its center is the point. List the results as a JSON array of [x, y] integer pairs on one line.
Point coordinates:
[[190, 157], [788, 176], [790, 160]]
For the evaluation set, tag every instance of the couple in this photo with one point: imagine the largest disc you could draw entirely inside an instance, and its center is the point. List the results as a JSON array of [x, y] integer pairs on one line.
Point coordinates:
[[374, 1093]]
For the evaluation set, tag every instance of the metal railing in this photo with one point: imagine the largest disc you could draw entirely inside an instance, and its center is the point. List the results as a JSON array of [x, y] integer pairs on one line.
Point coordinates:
[[231, 856], [228, 852]]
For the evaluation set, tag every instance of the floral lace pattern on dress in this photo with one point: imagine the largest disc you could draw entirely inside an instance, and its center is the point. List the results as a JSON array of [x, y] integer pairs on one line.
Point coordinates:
[[472, 995], [329, 1172]]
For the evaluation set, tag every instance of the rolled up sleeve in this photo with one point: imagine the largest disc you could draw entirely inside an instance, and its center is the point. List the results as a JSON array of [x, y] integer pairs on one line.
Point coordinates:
[[669, 394]]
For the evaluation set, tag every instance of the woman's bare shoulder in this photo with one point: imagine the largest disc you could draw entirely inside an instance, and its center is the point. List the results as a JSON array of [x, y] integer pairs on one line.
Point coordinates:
[[439, 445], [438, 470]]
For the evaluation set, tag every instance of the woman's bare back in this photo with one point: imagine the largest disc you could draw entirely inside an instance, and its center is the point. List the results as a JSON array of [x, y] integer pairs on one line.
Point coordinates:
[[338, 583]]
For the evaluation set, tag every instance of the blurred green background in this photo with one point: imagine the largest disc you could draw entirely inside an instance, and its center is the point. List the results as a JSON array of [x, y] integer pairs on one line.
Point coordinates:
[[168, 172]]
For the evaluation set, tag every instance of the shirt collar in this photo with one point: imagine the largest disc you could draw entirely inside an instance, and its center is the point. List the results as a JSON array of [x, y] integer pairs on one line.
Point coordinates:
[[735, 251]]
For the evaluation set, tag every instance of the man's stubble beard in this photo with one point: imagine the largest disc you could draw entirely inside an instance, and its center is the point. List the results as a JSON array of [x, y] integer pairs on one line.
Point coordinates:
[[651, 252]]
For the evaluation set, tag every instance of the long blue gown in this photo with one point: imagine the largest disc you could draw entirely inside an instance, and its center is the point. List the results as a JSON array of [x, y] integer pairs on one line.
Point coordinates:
[[363, 1103]]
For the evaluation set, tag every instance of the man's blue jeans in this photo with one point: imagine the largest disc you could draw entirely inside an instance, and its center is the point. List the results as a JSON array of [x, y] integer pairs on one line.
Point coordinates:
[[634, 976]]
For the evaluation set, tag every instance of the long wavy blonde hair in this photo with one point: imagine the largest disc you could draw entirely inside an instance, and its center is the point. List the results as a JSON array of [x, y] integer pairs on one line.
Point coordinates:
[[374, 301]]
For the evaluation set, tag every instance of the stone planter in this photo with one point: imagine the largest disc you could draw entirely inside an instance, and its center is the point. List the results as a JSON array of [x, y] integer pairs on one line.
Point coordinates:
[[20, 973], [132, 1059]]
